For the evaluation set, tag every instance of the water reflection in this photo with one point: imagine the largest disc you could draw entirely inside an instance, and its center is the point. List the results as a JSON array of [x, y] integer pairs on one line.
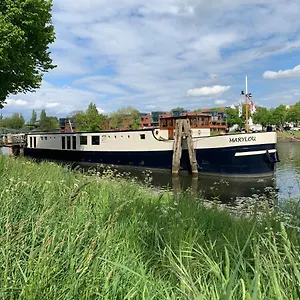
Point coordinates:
[[4, 150], [211, 187], [288, 170]]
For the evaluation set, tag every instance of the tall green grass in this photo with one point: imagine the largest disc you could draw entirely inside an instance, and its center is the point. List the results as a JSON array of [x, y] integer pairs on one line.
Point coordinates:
[[67, 235]]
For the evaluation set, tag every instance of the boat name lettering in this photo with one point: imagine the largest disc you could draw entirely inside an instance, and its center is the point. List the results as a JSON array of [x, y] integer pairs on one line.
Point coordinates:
[[242, 139]]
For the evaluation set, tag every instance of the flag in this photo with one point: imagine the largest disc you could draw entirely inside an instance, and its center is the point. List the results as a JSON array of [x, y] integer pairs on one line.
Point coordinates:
[[240, 109]]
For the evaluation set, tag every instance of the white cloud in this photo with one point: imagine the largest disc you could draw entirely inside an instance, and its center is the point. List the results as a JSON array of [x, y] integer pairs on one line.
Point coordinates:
[[149, 53], [282, 74], [67, 100], [100, 110], [52, 104], [220, 102], [208, 91], [16, 102]]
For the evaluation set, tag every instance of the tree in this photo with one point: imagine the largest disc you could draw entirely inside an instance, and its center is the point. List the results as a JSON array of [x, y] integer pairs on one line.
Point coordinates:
[[46, 123], [278, 115], [176, 108], [232, 117], [293, 114], [33, 118], [16, 121], [262, 116], [90, 120], [25, 34], [126, 117]]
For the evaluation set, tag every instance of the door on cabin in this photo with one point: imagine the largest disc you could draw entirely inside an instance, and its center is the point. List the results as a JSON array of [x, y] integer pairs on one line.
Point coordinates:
[[171, 133]]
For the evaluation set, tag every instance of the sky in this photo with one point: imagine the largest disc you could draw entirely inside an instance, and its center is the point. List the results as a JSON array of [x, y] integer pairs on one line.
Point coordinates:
[[161, 54]]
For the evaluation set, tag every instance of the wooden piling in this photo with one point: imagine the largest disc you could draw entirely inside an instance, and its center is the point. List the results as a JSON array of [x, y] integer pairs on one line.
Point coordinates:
[[183, 126], [190, 146], [177, 147], [10, 151]]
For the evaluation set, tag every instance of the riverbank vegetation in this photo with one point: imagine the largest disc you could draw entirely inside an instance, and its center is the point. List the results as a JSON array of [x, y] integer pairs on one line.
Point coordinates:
[[68, 235]]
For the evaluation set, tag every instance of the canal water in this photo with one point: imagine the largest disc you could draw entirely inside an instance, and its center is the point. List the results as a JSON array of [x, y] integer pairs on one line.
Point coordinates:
[[285, 182]]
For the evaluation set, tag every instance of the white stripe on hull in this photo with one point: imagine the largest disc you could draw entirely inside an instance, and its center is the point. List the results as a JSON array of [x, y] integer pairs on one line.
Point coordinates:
[[249, 153]]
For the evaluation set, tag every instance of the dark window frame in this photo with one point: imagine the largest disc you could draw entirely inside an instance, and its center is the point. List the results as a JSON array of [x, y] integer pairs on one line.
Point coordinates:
[[63, 142], [74, 142], [68, 142], [83, 140], [95, 140]]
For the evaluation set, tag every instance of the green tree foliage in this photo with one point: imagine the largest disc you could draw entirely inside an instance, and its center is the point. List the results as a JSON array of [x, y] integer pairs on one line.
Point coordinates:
[[233, 117], [278, 115], [33, 117], [176, 108], [46, 123], [16, 121], [125, 117], [293, 114], [262, 116], [90, 120], [25, 35]]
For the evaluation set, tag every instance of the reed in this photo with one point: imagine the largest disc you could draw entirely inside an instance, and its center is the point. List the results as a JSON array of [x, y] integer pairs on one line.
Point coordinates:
[[73, 235]]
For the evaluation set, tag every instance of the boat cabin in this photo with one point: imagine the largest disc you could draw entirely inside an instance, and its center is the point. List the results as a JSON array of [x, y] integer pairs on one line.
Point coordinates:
[[197, 120]]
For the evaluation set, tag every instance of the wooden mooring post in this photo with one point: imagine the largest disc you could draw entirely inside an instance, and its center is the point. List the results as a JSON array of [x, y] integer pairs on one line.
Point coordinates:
[[183, 129]]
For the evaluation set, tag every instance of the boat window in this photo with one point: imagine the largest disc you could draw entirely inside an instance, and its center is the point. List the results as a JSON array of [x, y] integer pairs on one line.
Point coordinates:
[[129, 136], [143, 136], [30, 142], [95, 140], [68, 142], [83, 140], [46, 138], [34, 142], [74, 141], [63, 142], [42, 138]]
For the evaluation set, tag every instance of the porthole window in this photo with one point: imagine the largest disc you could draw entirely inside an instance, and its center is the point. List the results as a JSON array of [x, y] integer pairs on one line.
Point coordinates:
[[143, 136]]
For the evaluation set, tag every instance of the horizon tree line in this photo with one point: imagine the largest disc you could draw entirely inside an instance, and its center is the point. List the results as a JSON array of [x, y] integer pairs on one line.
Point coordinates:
[[92, 120]]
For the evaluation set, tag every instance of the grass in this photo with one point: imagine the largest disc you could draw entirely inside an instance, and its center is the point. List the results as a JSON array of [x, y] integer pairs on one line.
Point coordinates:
[[67, 235], [288, 134]]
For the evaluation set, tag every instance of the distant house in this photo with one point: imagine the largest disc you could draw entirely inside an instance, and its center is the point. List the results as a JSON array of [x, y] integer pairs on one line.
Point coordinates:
[[155, 117], [67, 125], [146, 120]]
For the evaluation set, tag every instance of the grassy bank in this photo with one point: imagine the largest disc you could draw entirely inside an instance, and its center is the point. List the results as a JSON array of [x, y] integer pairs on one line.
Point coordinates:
[[67, 235], [288, 136]]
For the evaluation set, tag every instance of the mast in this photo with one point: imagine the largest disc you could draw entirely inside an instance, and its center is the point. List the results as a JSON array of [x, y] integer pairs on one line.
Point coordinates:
[[247, 123]]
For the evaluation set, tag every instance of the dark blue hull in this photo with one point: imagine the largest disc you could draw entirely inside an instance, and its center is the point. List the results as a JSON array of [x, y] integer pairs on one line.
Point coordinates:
[[220, 161]]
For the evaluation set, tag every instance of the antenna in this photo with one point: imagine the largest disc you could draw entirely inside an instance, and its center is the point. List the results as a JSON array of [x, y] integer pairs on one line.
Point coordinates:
[[247, 96]]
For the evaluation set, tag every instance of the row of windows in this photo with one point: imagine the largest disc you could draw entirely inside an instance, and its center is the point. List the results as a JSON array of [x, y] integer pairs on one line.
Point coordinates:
[[69, 142], [68, 145], [96, 139], [46, 138]]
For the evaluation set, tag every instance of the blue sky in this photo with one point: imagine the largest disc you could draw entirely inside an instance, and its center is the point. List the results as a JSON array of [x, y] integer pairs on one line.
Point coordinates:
[[160, 54]]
